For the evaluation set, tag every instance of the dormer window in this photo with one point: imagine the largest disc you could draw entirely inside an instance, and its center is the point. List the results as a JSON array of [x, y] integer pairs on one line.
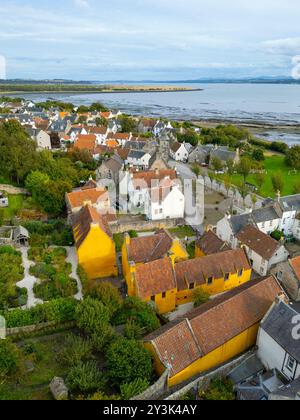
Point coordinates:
[[227, 276], [210, 280], [192, 286]]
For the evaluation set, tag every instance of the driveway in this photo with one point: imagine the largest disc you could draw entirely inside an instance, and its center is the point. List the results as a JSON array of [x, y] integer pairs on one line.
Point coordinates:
[[183, 169], [29, 281]]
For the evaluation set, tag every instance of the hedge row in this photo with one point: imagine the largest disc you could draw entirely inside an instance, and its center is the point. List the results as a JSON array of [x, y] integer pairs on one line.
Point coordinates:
[[58, 310]]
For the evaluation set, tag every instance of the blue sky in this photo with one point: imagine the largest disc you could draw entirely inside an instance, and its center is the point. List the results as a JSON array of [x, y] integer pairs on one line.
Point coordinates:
[[148, 39]]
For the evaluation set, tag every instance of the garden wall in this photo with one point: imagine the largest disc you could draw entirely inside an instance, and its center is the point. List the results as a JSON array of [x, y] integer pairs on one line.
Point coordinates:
[[13, 190], [146, 225], [31, 329], [156, 390]]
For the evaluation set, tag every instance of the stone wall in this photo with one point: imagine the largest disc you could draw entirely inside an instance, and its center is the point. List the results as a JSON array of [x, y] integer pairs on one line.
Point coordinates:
[[146, 225], [203, 381], [156, 390], [9, 189], [31, 329]]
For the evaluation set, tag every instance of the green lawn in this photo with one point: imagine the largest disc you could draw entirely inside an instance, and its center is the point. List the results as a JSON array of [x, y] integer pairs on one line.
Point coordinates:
[[47, 365], [182, 232], [17, 203], [272, 165]]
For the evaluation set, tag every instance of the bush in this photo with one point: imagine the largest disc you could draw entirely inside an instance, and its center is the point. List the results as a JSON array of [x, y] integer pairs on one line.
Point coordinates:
[[11, 272], [10, 359], [277, 235], [133, 389], [91, 315], [127, 361], [107, 294], [219, 390], [200, 297], [76, 350], [132, 331], [58, 310], [85, 377], [140, 312]]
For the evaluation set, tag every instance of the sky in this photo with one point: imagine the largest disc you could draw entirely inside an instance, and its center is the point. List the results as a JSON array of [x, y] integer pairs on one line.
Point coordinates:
[[107, 40]]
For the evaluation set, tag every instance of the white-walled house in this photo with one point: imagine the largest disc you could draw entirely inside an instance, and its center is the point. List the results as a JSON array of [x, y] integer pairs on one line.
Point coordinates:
[[43, 140], [140, 158], [263, 251], [278, 340], [166, 202], [290, 206], [179, 152]]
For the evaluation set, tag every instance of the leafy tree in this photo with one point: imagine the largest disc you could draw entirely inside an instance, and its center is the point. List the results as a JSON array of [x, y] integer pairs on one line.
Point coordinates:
[[128, 360], [244, 167], [277, 235], [196, 170], [132, 331], [260, 179], [217, 164], [293, 157], [296, 190], [258, 155], [18, 152], [86, 378], [91, 315], [10, 359], [101, 122], [277, 182], [190, 136], [128, 124], [140, 312], [107, 294]]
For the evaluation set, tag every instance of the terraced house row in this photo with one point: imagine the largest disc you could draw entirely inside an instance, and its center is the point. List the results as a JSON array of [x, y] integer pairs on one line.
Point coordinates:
[[157, 269]]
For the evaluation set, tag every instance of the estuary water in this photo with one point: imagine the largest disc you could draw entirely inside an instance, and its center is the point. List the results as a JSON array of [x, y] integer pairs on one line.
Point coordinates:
[[271, 104]]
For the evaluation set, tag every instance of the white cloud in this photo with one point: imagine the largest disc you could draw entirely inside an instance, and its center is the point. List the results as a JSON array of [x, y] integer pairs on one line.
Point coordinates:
[[83, 4]]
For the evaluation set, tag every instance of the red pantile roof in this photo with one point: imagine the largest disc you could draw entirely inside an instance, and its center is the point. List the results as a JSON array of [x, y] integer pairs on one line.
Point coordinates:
[[149, 248], [259, 242], [180, 343], [82, 197], [209, 243]]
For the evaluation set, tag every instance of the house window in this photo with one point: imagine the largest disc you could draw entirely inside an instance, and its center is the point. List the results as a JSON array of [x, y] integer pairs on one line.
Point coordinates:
[[164, 295], [227, 276], [153, 298], [240, 273], [290, 364], [210, 280], [192, 286]]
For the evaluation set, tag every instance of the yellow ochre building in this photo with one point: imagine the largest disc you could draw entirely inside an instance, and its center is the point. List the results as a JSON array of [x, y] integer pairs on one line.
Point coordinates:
[[96, 249], [214, 333]]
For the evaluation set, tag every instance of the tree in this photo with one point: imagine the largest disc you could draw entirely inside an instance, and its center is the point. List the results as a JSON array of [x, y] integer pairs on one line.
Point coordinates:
[[254, 200], [10, 359], [230, 167], [244, 167], [128, 124], [219, 390], [244, 191], [258, 155], [217, 164], [128, 360], [107, 294], [227, 182], [101, 122], [260, 179], [18, 152], [138, 311], [196, 170], [296, 189], [91, 315], [277, 182], [190, 136], [293, 157]]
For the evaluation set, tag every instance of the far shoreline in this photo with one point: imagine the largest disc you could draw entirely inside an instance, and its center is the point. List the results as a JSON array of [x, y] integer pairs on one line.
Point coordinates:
[[83, 92]]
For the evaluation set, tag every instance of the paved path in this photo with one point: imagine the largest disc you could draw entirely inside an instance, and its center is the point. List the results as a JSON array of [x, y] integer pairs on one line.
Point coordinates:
[[72, 259], [29, 281]]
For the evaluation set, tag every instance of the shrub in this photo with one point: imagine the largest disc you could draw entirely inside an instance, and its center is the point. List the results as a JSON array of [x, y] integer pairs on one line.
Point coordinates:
[[141, 312], [219, 390], [10, 359], [107, 294], [128, 360], [133, 388], [200, 297], [132, 330], [58, 310], [85, 377], [91, 315], [76, 350]]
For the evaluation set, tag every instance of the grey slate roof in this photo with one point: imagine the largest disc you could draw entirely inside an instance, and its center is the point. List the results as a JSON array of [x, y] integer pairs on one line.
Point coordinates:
[[265, 214], [291, 202], [136, 154], [279, 326], [247, 369], [289, 391]]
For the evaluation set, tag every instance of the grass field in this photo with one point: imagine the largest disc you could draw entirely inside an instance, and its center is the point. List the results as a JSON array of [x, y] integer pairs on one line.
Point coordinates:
[[273, 165], [46, 363], [16, 204]]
